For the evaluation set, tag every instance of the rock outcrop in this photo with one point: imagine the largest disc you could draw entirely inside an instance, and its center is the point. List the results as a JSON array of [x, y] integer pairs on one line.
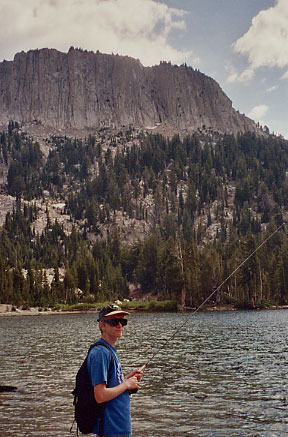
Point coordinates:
[[81, 89]]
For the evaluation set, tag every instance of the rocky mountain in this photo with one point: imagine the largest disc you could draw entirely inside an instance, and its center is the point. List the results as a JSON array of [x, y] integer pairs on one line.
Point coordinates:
[[83, 90]]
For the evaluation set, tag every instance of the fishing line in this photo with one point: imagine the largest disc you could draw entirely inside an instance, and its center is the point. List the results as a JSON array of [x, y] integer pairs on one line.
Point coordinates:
[[208, 298]]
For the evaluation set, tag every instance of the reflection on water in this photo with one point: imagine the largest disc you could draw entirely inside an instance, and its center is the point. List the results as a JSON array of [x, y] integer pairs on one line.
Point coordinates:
[[223, 374]]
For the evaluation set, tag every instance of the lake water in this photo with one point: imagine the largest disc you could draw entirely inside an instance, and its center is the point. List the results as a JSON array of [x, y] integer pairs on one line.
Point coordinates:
[[223, 374]]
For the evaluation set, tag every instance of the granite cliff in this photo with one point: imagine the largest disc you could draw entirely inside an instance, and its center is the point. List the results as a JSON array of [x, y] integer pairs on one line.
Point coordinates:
[[81, 90]]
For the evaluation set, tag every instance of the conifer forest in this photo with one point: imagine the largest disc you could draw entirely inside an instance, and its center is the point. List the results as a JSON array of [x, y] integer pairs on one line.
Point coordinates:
[[206, 202]]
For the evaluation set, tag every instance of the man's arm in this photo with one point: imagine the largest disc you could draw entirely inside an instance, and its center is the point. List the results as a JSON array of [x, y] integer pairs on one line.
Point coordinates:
[[105, 394]]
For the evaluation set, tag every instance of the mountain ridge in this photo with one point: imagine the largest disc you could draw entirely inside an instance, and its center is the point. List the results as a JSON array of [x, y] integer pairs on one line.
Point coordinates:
[[86, 90]]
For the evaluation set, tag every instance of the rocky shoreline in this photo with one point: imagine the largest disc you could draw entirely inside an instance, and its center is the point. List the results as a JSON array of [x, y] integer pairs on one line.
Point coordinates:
[[9, 310]]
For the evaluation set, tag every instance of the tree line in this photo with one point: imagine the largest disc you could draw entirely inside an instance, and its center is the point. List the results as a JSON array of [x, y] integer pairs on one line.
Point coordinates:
[[166, 268]]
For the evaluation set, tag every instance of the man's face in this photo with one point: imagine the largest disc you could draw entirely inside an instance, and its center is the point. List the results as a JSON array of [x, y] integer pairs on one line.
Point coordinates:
[[109, 330]]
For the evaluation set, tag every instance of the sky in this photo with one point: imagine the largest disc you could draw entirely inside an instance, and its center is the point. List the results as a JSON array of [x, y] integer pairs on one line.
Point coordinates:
[[242, 44]]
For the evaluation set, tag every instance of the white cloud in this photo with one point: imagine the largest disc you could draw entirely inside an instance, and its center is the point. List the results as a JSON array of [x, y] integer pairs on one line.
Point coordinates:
[[243, 77], [272, 88], [266, 42], [258, 112], [285, 75], [138, 28]]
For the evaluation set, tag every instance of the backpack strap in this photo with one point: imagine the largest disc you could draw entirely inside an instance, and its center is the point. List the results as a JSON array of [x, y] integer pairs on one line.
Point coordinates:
[[100, 343]]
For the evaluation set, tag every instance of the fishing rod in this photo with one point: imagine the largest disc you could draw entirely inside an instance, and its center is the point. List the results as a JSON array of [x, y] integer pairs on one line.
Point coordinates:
[[208, 298]]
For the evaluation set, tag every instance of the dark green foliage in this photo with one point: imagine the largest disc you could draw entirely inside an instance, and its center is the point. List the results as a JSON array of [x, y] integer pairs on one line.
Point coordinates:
[[102, 270], [25, 160], [181, 179]]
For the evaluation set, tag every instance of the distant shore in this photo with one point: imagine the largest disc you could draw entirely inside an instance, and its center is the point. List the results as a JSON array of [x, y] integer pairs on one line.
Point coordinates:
[[6, 310], [9, 310]]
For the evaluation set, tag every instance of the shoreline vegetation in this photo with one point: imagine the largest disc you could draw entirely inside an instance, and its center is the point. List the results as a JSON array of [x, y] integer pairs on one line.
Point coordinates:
[[134, 306]]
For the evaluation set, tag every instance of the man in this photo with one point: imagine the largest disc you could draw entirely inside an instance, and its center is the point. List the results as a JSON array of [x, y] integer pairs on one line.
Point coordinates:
[[115, 393]]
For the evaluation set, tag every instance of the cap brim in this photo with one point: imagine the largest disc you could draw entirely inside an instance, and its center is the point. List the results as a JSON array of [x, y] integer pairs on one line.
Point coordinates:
[[117, 312]]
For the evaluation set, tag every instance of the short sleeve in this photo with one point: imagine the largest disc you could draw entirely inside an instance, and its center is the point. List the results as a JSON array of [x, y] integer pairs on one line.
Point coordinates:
[[98, 365]]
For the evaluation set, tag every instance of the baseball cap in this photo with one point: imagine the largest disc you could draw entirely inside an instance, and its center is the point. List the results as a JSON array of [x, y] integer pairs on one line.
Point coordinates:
[[111, 310]]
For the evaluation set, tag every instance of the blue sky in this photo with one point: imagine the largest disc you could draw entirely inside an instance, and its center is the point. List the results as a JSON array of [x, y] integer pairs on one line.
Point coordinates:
[[242, 44]]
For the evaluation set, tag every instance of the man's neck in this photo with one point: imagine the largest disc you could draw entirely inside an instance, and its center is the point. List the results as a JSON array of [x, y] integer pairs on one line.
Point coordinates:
[[111, 340]]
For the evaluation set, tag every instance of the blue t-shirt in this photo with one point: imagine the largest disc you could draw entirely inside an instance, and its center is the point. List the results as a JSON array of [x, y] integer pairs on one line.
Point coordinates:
[[117, 418]]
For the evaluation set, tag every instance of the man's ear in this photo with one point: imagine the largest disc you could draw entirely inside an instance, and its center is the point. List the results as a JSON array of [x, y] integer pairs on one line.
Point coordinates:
[[101, 324]]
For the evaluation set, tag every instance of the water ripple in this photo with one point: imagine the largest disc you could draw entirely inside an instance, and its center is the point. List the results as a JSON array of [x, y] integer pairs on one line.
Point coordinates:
[[224, 374]]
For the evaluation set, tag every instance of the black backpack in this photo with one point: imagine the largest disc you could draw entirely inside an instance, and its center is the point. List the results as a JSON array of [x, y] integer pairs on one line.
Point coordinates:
[[86, 408]]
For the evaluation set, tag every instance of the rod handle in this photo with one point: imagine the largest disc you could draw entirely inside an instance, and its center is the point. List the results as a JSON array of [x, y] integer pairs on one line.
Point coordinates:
[[144, 366]]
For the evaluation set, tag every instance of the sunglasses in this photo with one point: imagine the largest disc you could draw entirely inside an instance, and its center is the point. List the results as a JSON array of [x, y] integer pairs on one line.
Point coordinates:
[[114, 322]]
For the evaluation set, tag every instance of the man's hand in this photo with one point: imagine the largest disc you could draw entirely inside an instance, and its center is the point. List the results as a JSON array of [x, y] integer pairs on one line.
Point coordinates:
[[137, 373], [133, 382]]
